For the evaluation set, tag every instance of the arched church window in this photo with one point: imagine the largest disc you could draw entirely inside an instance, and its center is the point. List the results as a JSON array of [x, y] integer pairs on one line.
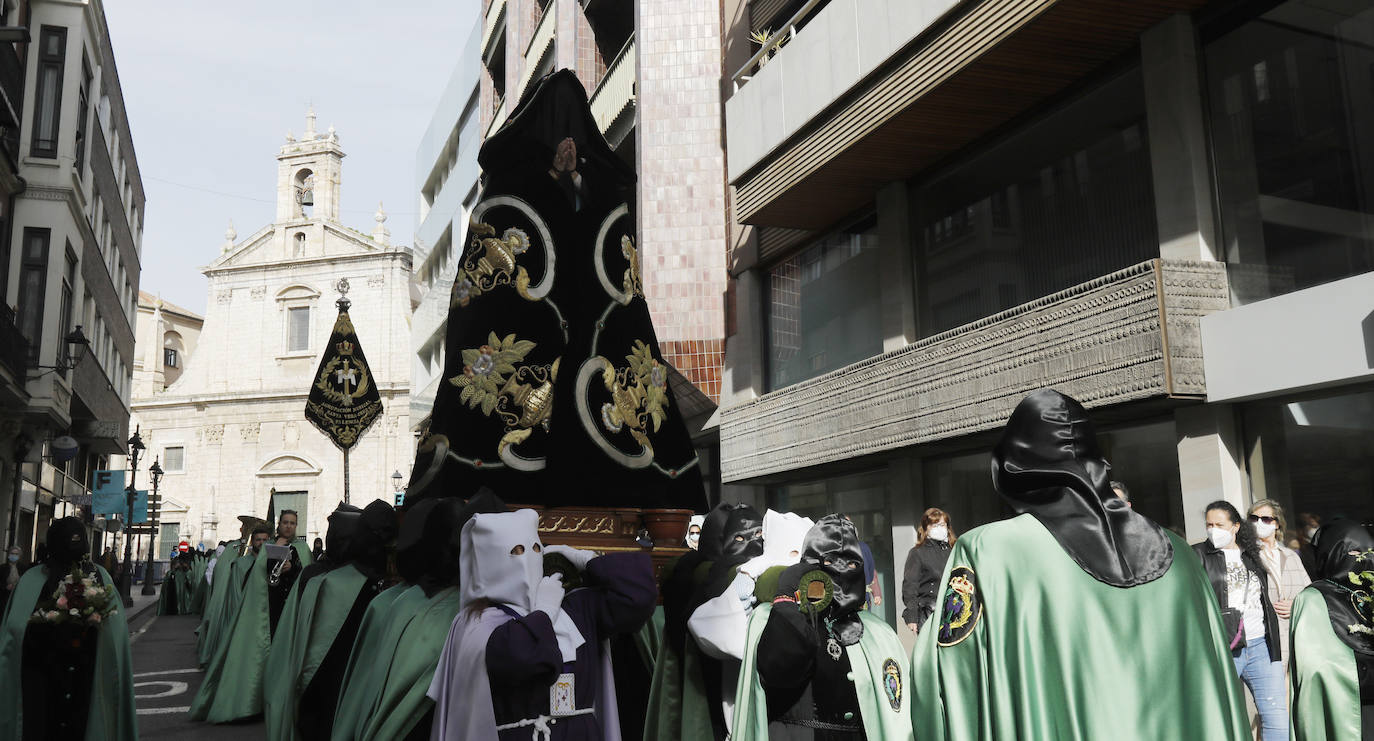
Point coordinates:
[[298, 250], [305, 192]]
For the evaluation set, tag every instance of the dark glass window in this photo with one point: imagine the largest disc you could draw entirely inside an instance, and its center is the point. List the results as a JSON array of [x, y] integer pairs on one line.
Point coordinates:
[[298, 337], [1063, 200], [68, 296], [33, 286], [824, 306], [82, 115], [47, 106], [169, 357], [1291, 94]]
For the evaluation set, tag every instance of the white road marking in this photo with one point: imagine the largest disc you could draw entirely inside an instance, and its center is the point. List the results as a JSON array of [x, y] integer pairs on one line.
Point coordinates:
[[173, 689], [164, 671], [163, 711], [144, 629]]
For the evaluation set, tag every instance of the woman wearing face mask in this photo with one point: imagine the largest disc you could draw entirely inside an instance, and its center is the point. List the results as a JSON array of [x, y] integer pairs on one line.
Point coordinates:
[[925, 564], [1287, 576], [1231, 557]]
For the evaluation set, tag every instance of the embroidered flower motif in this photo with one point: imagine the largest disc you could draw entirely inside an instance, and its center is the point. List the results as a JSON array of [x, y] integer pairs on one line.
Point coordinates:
[[517, 240], [609, 418], [658, 375], [485, 363], [462, 291]]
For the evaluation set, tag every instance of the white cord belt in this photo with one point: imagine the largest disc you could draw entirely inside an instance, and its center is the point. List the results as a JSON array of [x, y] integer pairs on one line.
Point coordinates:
[[541, 724]]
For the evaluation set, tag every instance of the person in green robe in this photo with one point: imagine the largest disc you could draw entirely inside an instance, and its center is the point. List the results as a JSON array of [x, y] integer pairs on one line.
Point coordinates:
[[232, 687], [404, 629], [218, 574], [814, 659], [1332, 630], [285, 573], [200, 586], [1077, 619], [66, 678], [310, 650]]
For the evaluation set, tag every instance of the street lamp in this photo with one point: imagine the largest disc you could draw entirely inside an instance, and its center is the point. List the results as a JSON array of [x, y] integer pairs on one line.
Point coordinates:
[[396, 487], [76, 346], [154, 471], [126, 578]]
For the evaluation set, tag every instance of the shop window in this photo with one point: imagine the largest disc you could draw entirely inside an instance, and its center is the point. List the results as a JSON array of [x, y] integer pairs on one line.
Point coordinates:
[[1064, 199], [1291, 105], [824, 306], [865, 500], [1315, 455]]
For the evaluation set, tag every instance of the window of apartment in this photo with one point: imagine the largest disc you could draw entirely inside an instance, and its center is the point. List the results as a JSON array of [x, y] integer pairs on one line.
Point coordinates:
[[47, 119], [613, 25], [65, 308], [168, 539], [1291, 105], [169, 357], [298, 329], [33, 286], [174, 459], [1063, 200], [865, 500], [823, 305], [83, 115]]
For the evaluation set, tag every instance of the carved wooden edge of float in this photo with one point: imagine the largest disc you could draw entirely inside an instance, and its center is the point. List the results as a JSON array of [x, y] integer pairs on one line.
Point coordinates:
[[1131, 335]]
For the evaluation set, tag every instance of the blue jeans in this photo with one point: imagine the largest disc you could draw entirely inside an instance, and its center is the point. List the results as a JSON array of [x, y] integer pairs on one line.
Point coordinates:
[[1266, 682]]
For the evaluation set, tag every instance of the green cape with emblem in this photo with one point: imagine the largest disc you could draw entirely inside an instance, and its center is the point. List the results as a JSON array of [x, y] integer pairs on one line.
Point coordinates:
[[1023, 643], [382, 622], [878, 663], [232, 688], [392, 664], [1325, 704], [112, 713], [310, 622]]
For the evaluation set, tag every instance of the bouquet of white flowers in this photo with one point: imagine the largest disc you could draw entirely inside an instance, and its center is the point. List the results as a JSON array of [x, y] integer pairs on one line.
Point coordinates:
[[79, 599]]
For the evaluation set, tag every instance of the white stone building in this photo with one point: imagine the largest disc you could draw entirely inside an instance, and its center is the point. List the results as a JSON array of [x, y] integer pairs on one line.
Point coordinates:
[[234, 419]]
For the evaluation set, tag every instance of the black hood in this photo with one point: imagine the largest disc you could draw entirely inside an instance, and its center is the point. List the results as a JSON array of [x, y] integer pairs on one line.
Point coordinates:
[[681, 591], [1048, 464], [832, 546], [743, 534], [428, 546], [68, 542], [344, 524], [1344, 549], [375, 534]]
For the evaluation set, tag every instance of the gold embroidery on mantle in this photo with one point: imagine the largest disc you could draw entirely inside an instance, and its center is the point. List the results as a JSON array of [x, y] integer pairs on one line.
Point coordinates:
[[638, 394], [495, 381], [492, 263]]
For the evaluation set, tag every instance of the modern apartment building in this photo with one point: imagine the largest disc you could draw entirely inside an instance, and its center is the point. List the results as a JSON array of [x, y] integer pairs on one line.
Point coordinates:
[[70, 257], [652, 71], [1164, 208], [446, 180]]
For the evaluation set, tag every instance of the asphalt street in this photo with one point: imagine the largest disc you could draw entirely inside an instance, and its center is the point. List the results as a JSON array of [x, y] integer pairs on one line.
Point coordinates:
[[166, 679]]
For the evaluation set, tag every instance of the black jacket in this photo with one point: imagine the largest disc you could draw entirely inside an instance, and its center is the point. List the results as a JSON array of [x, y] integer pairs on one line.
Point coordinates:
[[1214, 563], [925, 564]]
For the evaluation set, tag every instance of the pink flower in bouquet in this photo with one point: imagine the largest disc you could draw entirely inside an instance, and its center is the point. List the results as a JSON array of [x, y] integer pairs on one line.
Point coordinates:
[[93, 618], [62, 602], [94, 592], [52, 615]]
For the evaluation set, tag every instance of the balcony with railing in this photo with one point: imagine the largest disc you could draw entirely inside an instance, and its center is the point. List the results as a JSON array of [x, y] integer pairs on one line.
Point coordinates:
[[613, 101], [494, 22], [11, 99], [541, 43]]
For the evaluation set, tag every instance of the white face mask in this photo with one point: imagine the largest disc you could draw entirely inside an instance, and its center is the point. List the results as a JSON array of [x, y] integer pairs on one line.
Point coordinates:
[[938, 532], [1220, 537], [1264, 529], [1311, 531]]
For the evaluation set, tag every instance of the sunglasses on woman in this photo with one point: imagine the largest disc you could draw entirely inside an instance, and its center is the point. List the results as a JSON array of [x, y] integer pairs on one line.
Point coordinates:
[[1263, 518]]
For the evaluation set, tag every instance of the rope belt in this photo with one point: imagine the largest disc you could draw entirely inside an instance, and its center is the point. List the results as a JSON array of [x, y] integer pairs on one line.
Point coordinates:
[[541, 723]]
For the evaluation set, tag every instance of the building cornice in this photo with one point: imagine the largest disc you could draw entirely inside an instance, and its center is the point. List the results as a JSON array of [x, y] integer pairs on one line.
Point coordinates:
[[159, 402]]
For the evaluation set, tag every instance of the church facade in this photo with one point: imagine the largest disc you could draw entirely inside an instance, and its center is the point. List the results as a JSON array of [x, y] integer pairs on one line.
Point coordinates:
[[230, 430]]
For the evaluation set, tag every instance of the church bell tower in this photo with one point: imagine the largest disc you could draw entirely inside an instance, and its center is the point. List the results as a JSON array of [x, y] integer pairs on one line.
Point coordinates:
[[309, 170]]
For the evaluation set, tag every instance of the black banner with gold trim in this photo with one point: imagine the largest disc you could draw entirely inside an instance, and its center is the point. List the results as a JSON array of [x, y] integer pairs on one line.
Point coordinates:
[[343, 400]]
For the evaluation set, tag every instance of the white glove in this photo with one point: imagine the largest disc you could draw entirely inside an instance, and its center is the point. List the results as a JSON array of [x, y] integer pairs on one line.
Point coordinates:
[[576, 556], [743, 588], [548, 595]]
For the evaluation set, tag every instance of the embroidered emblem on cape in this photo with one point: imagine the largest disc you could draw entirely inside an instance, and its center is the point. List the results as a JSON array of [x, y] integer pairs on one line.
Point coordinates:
[[495, 380], [960, 608], [892, 684], [1359, 588]]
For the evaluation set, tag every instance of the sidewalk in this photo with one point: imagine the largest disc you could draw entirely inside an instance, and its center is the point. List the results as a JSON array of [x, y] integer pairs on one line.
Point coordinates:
[[142, 603]]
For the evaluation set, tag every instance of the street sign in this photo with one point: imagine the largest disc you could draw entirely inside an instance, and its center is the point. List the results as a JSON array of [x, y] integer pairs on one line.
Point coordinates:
[[107, 489], [183, 547]]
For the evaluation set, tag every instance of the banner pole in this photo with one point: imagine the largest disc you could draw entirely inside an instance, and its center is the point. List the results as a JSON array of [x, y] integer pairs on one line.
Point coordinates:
[[346, 501]]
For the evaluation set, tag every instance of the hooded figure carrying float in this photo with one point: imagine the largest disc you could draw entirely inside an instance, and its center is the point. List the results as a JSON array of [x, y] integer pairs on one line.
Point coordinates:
[[525, 659], [1077, 619]]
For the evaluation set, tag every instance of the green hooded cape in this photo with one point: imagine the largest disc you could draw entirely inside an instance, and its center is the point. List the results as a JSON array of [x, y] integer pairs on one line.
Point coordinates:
[[232, 688], [382, 621], [186, 587], [217, 613], [112, 716], [678, 707], [1325, 704], [200, 589], [310, 622], [1027, 645], [403, 664], [879, 674]]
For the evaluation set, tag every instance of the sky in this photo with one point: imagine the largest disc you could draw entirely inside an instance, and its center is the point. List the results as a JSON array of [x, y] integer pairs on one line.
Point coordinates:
[[211, 89]]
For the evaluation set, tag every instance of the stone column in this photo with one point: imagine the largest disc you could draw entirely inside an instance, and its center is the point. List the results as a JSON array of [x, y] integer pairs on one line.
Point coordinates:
[[894, 240], [906, 505], [1210, 462]]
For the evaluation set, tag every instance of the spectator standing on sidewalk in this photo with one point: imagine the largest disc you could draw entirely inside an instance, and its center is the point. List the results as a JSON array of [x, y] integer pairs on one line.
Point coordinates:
[[1287, 576], [925, 565]]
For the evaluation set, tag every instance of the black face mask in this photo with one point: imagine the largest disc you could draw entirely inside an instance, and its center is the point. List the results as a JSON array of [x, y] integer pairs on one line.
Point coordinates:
[[1343, 548], [832, 546], [743, 534], [1048, 464], [68, 542]]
